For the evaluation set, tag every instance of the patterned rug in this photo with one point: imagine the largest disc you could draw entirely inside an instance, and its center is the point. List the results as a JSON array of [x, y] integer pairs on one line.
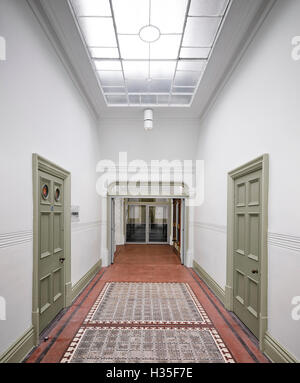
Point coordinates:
[[147, 323], [156, 303]]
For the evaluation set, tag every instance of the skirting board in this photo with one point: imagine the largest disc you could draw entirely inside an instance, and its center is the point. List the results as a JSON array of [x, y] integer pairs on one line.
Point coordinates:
[[275, 352], [211, 283], [20, 349], [83, 282]]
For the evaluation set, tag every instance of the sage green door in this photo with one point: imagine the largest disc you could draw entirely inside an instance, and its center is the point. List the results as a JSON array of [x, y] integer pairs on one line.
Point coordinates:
[[51, 248], [247, 244]]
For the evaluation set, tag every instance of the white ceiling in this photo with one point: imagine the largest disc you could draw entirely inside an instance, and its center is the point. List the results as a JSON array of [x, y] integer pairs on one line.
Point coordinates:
[[149, 52], [243, 18]]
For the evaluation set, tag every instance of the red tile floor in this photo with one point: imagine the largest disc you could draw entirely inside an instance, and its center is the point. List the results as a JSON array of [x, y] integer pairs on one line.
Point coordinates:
[[146, 263]]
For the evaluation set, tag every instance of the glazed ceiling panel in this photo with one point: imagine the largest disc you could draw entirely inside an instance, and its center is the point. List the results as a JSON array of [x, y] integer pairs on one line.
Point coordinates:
[[149, 52]]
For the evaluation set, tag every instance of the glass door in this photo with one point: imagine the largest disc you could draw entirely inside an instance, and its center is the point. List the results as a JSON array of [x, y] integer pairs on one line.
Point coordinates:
[[136, 224], [158, 224], [147, 223]]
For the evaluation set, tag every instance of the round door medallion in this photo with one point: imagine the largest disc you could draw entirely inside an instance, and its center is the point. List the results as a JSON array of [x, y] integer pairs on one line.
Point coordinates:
[[45, 191], [57, 194]]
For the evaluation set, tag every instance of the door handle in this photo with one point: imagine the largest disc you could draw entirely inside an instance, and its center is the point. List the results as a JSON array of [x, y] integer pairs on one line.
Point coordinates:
[[254, 271], [61, 260]]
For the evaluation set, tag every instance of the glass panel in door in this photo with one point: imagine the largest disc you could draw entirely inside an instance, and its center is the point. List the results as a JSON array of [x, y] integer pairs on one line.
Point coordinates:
[[136, 224], [158, 224]]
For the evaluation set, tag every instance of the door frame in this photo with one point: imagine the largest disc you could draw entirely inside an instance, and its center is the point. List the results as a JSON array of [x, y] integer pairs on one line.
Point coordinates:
[[183, 227], [40, 163], [260, 163]]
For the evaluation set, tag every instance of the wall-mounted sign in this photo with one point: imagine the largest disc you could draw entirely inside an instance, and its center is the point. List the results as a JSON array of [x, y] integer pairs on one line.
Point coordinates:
[[75, 217]]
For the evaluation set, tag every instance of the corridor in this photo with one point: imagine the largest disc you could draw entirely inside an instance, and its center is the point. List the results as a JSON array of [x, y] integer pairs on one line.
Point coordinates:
[[148, 265], [149, 164]]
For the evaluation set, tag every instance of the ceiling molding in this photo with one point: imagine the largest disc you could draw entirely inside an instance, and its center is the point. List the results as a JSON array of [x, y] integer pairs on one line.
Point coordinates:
[[240, 26]]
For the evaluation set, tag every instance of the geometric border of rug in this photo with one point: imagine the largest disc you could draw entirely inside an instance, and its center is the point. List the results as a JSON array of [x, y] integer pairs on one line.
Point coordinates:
[[147, 303], [137, 322]]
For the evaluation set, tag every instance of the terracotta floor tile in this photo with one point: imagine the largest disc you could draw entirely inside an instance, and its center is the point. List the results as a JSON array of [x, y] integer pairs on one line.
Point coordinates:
[[148, 263]]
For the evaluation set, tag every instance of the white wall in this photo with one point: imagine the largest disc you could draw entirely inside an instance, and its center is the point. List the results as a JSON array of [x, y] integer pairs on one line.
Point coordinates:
[[41, 111], [170, 139], [258, 112]]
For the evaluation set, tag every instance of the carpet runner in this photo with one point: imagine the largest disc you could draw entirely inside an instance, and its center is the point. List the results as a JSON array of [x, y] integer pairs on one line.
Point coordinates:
[[147, 323]]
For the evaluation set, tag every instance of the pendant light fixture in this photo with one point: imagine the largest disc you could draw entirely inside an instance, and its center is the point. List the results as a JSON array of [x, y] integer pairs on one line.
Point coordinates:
[[148, 119]]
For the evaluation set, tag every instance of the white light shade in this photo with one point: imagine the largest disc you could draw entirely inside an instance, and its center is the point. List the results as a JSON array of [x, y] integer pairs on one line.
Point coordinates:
[[148, 114], [148, 119], [148, 125]]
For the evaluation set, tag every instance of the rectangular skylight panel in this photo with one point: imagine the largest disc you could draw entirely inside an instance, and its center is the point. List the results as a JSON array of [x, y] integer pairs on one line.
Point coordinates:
[[201, 31], [194, 53], [98, 31], [105, 53], [181, 99], [114, 89], [183, 89], [120, 99], [136, 69], [192, 65], [208, 7], [137, 86], [111, 78], [148, 99], [91, 7], [134, 99], [185, 78], [160, 86], [132, 47], [144, 86], [162, 69], [167, 47], [130, 15], [108, 65], [168, 15], [163, 99]]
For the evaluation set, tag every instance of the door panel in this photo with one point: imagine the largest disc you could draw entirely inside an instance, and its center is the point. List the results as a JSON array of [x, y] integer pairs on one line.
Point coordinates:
[[247, 234], [51, 248], [136, 224], [57, 283], [45, 234], [158, 224], [58, 234]]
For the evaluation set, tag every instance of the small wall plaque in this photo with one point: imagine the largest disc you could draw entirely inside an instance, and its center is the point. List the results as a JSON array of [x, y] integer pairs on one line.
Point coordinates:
[[75, 216]]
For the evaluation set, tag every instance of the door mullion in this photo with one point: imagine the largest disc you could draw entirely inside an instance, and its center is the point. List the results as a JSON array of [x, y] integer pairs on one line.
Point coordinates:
[[147, 223]]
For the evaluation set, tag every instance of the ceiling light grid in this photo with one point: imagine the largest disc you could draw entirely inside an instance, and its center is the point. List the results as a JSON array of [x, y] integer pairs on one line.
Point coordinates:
[[149, 52]]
